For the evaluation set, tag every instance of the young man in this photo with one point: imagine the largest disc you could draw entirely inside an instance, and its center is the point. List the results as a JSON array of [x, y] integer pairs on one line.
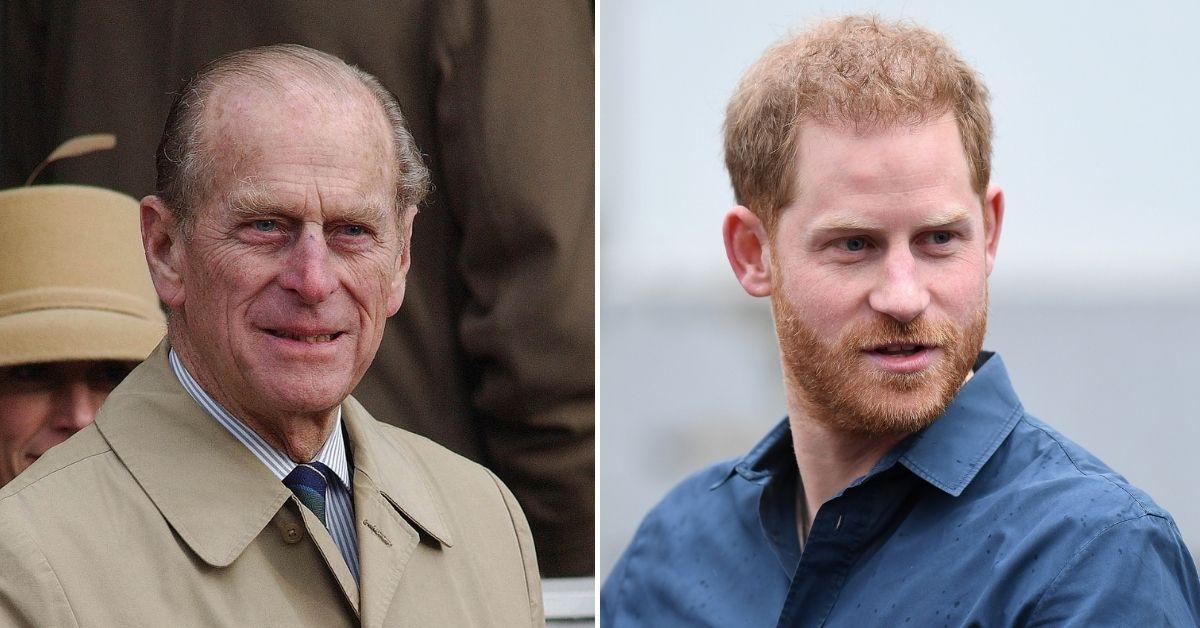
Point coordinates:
[[907, 485]]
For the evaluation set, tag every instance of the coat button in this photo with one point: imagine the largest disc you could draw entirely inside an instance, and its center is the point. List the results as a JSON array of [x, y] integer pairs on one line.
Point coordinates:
[[292, 532]]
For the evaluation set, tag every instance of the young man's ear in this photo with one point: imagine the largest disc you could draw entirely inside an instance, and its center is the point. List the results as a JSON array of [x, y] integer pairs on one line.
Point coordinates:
[[746, 245], [993, 218], [160, 240], [398, 284]]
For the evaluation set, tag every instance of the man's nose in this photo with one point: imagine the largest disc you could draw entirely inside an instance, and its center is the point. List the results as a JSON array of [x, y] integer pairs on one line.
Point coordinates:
[[75, 405], [900, 292], [308, 270]]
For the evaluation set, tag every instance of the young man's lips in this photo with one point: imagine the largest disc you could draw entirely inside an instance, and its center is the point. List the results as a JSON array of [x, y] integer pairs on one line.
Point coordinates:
[[902, 357]]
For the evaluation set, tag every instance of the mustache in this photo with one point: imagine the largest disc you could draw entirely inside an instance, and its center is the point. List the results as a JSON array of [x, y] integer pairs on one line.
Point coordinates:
[[885, 330]]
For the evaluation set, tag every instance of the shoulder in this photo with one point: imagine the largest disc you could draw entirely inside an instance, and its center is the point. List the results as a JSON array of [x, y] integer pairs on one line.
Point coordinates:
[[491, 535], [1041, 461], [40, 515], [699, 499], [1111, 550], [1130, 571], [440, 463], [71, 463], [1069, 492], [467, 494], [702, 511]]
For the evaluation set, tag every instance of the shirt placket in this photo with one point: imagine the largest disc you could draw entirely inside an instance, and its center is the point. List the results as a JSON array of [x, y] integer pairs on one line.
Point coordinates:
[[843, 528]]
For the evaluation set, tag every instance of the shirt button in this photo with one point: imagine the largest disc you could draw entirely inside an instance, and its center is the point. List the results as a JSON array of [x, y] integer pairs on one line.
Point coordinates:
[[292, 533]]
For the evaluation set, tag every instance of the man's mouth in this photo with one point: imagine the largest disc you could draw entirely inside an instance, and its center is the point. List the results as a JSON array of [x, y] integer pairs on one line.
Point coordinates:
[[902, 357], [311, 339], [899, 349]]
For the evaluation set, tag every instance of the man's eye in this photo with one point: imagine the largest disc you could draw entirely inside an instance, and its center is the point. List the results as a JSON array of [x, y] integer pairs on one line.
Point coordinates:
[[354, 230], [106, 375], [940, 237], [25, 373], [265, 226], [855, 244]]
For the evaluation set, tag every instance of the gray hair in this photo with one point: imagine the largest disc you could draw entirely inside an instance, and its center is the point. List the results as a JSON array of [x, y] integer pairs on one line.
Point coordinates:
[[183, 164]]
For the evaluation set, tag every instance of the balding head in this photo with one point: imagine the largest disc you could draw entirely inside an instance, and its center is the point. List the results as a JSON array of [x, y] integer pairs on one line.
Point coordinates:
[[187, 164], [279, 238]]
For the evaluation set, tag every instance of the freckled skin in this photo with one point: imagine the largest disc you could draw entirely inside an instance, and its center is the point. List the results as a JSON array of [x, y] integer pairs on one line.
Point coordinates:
[[291, 239]]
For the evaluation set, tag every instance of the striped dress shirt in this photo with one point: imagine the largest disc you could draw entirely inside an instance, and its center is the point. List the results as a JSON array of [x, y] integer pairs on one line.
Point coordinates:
[[339, 509]]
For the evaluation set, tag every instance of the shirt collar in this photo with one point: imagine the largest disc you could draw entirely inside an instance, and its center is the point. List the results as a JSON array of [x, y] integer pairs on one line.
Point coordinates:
[[771, 455], [951, 451], [332, 453], [947, 454]]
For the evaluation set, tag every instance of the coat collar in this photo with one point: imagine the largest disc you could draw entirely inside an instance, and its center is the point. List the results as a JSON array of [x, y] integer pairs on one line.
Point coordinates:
[[212, 490], [393, 470]]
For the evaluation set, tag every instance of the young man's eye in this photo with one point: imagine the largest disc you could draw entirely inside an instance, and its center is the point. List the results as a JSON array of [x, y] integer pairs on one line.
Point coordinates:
[[940, 237], [856, 243], [265, 226]]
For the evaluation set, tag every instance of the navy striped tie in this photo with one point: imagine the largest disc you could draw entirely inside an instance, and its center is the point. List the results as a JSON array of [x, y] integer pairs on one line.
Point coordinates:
[[308, 482]]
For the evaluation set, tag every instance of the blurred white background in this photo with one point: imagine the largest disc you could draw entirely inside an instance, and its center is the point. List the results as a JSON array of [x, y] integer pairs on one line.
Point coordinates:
[[1096, 292]]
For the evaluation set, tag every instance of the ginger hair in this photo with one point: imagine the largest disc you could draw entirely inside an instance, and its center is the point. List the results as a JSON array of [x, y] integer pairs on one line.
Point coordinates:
[[859, 71]]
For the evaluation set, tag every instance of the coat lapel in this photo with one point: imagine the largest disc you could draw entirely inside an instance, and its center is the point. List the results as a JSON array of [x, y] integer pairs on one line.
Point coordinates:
[[332, 555], [393, 506], [209, 487]]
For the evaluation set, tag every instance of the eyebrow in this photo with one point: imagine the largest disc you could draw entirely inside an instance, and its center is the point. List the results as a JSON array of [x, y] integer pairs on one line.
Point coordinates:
[[858, 223], [252, 202]]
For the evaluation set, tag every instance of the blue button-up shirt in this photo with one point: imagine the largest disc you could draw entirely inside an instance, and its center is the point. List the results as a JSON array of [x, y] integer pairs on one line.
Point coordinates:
[[988, 517]]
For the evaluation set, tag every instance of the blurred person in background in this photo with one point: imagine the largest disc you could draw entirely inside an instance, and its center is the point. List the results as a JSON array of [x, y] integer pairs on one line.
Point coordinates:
[[907, 485], [492, 355], [77, 312]]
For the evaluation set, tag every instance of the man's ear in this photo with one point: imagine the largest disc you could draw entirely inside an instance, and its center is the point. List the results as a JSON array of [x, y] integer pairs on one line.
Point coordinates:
[[160, 240], [993, 219], [747, 247], [396, 295]]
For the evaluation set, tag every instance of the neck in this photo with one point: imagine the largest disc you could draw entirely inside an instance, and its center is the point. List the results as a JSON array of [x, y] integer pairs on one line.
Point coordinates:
[[300, 435], [829, 460]]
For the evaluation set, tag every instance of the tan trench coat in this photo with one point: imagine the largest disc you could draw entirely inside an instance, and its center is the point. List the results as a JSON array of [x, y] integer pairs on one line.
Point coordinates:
[[492, 354], [156, 516]]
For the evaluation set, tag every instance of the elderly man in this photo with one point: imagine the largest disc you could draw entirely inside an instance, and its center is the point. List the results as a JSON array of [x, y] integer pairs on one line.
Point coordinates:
[[907, 486], [77, 312], [230, 480]]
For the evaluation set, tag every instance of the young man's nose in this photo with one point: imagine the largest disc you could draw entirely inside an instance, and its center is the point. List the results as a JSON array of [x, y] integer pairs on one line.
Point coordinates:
[[900, 292]]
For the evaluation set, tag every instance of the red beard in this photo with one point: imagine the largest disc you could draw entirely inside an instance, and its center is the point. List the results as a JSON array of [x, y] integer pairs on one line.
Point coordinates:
[[841, 387]]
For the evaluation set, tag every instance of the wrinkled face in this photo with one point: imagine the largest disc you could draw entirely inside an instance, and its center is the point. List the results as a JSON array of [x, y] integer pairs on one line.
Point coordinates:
[[879, 275], [43, 404], [295, 260]]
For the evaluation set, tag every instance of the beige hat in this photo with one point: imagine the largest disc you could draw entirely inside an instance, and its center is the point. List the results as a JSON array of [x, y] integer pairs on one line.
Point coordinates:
[[73, 277]]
